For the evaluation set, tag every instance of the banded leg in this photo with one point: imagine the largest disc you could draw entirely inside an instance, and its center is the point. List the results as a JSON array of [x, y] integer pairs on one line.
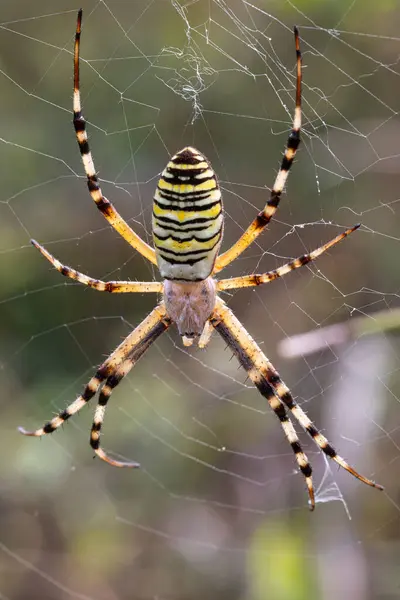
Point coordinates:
[[90, 390], [104, 205], [253, 359], [97, 284], [264, 217], [252, 280], [133, 343], [112, 381], [244, 354]]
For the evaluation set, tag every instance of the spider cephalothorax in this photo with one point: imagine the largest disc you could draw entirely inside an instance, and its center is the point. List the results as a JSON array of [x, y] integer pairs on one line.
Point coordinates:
[[187, 233], [189, 305]]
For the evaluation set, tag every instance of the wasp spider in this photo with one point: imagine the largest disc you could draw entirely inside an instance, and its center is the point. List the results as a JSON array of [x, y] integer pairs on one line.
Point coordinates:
[[187, 233]]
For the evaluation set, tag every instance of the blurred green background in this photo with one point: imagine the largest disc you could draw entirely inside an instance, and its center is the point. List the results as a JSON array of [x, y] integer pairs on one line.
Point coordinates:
[[218, 509]]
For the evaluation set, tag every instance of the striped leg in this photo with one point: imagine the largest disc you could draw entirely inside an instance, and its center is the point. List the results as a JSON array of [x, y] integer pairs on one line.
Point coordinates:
[[104, 205], [244, 354], [104, 397], [252, 280], [108, 388], [259, 368], [136, 343], [264, 217], [97, 284], [90, 390]]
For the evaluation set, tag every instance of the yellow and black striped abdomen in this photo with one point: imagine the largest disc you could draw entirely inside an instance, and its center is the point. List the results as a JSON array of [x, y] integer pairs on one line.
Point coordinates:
[[187, 217]]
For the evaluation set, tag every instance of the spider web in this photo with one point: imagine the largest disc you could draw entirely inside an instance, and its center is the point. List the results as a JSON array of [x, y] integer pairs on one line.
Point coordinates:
[[218, 508]]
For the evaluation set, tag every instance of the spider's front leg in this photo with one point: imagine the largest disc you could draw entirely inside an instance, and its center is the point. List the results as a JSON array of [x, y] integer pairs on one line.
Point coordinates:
[[103, 204], [269, 210]]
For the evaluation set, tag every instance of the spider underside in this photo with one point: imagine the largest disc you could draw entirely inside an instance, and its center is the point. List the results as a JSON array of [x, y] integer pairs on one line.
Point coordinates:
[[187, 234]]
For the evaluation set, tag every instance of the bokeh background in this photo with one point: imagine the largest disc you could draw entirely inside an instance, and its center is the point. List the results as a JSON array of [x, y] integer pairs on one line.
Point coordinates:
[[218, 509]]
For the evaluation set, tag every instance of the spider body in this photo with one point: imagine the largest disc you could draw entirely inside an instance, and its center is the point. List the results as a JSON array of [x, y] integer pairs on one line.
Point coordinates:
[[187, 233]]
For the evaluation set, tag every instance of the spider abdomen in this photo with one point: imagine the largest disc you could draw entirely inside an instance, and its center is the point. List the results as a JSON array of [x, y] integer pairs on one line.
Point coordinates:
[[187, 217]]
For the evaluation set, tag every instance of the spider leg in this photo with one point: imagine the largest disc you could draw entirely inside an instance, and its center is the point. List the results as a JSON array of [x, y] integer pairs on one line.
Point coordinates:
[[205, 335], [264, 217], [104, 397], [252, 280], [97, 284], [244, 353], [263, 373], [135, 343], [104, 205], [112, 381], [90, 390]]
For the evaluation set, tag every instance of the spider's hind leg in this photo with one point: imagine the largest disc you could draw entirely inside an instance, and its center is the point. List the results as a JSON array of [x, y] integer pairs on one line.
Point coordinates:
[[104, 397], [158, 322], [88, 393], [246, 351], [113, 368], [267, 380], [317, 436]]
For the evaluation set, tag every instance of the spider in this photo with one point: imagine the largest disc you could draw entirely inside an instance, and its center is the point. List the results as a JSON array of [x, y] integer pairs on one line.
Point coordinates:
[[187, 227]]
